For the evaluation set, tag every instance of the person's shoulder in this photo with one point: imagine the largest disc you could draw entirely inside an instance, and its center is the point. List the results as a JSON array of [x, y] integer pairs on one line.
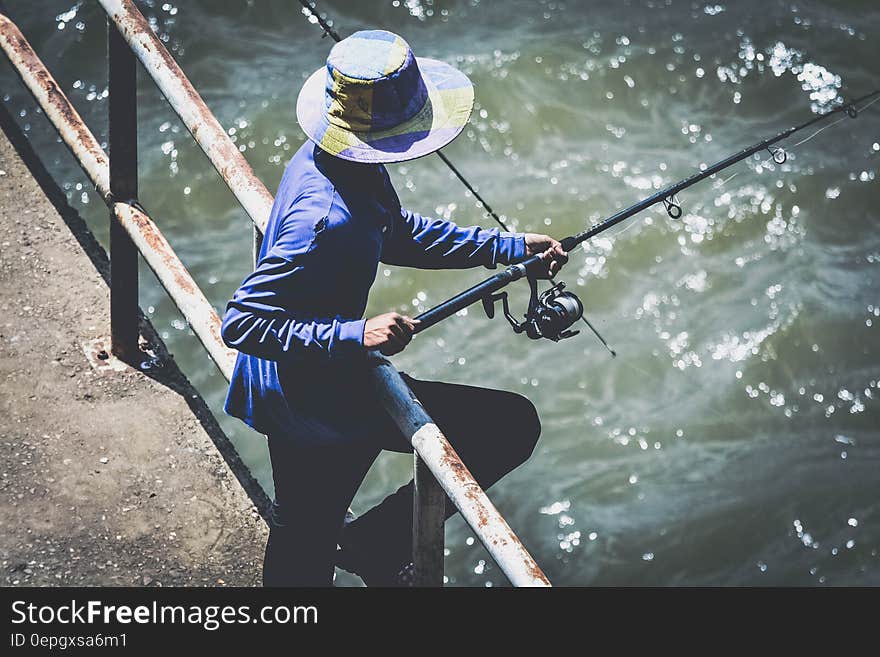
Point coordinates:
[[303, 183], [303, 199]]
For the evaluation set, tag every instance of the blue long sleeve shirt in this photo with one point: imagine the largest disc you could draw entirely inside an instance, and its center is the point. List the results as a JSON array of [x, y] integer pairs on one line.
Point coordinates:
[[298, 318]]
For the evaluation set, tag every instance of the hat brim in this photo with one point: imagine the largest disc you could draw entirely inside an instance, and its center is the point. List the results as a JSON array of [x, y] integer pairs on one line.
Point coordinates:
[[446, 112]]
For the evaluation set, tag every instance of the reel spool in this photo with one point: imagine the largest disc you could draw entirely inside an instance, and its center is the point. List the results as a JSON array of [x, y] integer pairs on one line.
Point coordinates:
[[550, 315]]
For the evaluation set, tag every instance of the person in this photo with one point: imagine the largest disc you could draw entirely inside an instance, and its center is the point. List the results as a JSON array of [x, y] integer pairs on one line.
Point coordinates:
[[301, 375]]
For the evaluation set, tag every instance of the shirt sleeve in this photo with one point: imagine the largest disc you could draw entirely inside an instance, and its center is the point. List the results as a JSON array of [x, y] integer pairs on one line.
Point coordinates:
[[427, 243], [417, 241], [261, 319]]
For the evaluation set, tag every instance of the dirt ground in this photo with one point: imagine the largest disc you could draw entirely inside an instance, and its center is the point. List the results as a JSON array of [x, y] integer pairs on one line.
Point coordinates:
[[106, 477]]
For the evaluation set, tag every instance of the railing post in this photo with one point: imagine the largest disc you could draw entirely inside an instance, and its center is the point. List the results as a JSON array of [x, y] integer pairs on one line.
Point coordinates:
[[122, 85], [429, 514]]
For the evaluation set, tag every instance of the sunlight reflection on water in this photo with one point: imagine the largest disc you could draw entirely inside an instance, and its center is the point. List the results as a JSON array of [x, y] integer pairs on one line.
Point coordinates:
[[734, 440]]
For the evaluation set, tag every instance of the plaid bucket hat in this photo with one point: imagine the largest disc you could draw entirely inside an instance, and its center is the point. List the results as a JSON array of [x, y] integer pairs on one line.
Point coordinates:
[[376, 102]]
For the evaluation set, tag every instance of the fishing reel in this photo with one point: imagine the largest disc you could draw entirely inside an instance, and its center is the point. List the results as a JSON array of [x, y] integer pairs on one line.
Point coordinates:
[[550, 314]]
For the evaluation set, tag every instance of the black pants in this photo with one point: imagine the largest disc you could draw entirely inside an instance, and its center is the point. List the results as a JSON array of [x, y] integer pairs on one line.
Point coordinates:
[[493, 431]]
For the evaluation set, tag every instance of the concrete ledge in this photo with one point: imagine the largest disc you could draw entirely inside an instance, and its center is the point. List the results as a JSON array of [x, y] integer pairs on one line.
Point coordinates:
[[109, 476]]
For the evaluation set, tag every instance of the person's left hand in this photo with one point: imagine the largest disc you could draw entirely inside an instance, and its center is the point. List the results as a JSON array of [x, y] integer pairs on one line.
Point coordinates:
[[549, 249]]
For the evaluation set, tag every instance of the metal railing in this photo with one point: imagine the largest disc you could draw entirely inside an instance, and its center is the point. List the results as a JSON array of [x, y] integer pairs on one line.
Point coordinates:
[[438, 470]]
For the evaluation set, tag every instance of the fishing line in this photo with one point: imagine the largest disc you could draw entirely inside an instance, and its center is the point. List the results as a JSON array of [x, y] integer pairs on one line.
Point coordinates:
[[684, 381], [614, 237], [861, 109], [840, 120], [770, 159]]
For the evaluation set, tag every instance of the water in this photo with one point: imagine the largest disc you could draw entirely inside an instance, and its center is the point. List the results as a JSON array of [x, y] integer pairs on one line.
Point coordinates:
[[735, 438]]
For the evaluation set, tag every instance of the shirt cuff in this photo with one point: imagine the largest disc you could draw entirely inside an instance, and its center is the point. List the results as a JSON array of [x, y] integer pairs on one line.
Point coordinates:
[[349, 338], [511, 248]]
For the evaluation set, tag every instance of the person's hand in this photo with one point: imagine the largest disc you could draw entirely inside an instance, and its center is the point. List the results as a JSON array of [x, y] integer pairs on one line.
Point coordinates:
[[389, 333], [549, 249]]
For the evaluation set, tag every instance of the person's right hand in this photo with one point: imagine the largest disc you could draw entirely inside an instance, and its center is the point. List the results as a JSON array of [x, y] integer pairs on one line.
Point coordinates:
[[389, 333]]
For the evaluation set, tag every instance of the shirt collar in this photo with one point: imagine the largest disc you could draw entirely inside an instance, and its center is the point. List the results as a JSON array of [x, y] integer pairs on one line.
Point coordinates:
[[344, 172]]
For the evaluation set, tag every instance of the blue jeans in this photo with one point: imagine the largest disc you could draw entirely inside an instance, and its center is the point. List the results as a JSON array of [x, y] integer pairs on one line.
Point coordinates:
[[493, 432]]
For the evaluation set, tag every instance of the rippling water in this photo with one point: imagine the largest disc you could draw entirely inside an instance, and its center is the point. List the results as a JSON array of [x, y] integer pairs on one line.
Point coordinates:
[[734, 440]]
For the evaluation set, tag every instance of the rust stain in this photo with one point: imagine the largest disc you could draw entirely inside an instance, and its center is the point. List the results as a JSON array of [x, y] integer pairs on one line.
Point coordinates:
[[31, 68], [219, 146], [475, 495], [71, 116], [451, 460], [477, 504], [132, 23], [533, 569], [157, 243], [184, 282], [215, 324]]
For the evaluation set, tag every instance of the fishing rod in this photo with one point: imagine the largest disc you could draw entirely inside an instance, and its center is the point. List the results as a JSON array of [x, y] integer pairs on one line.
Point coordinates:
[[551, 314]]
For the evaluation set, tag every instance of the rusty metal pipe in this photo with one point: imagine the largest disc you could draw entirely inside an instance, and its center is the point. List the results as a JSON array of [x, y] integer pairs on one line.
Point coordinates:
[[192, 110], [59, 111]]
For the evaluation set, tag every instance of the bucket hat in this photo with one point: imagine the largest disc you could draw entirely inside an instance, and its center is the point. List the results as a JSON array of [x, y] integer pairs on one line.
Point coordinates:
[[375, 101]]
